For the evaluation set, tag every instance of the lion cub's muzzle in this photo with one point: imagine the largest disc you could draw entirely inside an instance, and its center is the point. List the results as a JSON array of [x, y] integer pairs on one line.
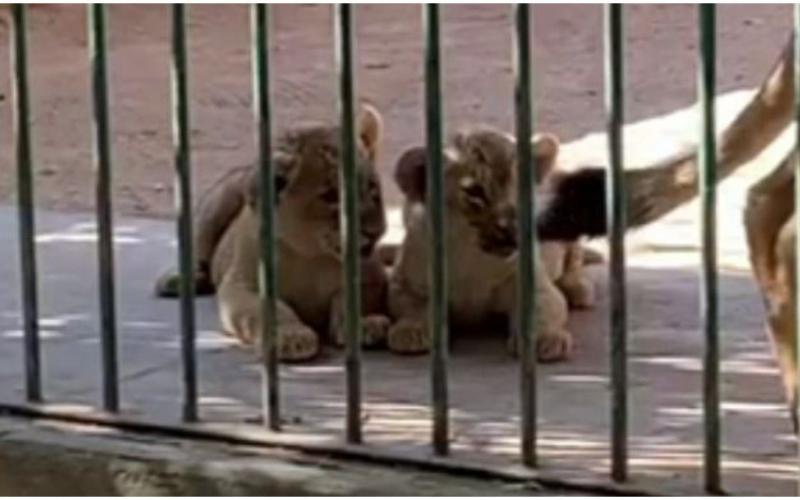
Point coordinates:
[[498, 236], [502, 243]]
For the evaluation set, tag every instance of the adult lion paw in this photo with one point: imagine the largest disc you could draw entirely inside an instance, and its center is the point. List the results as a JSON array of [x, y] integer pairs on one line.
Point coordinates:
[[409, 337], [297, 342]]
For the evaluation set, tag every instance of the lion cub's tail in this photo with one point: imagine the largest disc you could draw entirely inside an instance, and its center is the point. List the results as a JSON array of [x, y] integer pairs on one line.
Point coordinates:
[[574, 202]]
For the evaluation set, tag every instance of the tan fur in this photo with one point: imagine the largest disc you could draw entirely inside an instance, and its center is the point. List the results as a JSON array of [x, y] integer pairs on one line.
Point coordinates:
[[480, 192], [769, 213], [771, 230], [654, 191], [306, 164], [769, 217]]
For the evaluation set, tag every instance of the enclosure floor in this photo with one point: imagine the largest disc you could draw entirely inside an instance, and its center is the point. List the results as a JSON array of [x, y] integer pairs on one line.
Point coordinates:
[[665, 348]]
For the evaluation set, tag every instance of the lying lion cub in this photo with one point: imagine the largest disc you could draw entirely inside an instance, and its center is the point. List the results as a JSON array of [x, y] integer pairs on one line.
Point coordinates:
[[481, 239], [306, 164]]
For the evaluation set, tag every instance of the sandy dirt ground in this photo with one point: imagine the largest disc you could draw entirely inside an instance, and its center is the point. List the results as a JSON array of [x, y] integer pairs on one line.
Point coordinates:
[[661, 55]]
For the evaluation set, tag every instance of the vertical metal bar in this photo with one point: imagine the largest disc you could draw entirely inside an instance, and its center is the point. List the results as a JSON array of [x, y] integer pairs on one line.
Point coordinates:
[[183, 181], [526, 284], [796, 42], [268, 268], [349, 219], [436, 228], [27, 229], [709, 302], [615, 206], [105, 224]]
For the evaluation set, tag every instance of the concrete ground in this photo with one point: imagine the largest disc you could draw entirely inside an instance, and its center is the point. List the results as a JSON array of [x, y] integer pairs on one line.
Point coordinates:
[[42, 458], [760, 453]]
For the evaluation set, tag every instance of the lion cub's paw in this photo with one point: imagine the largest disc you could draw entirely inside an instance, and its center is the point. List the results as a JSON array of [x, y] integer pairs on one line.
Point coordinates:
[[409, 337], [549, 348], [374, 330], [554, 347], [297, 342], [580, 294]]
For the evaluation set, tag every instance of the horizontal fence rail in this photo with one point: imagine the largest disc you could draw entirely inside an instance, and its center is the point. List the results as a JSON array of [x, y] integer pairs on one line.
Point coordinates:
[[351, 183]]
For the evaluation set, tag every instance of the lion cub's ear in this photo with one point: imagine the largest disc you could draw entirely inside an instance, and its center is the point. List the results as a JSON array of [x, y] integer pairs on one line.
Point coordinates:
[[409, 173], [545, 151], [370, 129]]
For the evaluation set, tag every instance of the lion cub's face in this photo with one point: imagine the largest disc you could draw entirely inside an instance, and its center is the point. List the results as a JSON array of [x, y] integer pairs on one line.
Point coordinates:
[[307, 179], [480, 183]]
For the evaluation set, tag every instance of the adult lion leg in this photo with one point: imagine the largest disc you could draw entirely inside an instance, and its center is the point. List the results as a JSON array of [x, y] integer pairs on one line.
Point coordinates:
[[783, 316], [769, 224], [770, 202]]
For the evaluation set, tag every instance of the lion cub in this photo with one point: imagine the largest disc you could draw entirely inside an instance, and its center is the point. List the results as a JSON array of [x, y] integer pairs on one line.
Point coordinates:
[[481, 239], [306, 165]]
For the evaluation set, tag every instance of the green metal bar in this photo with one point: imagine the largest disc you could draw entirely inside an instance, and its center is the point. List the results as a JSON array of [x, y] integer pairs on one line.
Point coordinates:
[[526, 281], [349, 220], [268, 268], [105, 223], [615, 205], [25, 200], [709, 298], [183, 181], [436, 227]]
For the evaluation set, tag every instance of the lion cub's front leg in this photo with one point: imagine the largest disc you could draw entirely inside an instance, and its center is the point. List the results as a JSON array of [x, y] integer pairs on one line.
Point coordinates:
[[409, 334], [374, 326], [564, 264], [240, 314], [553, 341], [577, 287]]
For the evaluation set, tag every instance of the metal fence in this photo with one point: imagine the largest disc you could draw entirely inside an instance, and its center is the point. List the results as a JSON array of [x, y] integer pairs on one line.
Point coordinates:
[[344, 27]]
